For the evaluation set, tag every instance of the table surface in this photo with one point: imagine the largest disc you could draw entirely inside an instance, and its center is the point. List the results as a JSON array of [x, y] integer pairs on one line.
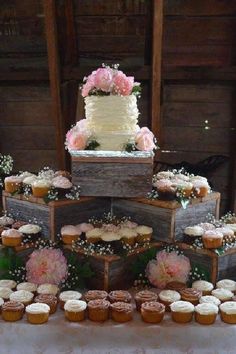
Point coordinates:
[[59, 336]]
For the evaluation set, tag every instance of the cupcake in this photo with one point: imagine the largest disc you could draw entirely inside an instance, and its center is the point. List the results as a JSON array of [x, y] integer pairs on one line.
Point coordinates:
[[212, 239], [164, 175], [84, 227], [31, 231], [75, 310], [41, 187], [95, 295], [12, 311], [228, 312], [119, 296], [69, 234], [98, 310], [49, 300], [227, 284], [23, 296], [185, 188], [121, 312], [192, 232], [37, 313], [176, 285], [29, 180], [5, 293], [46, 288], [8, 283], [206, 313], [27, 286], [6, 221], [165, 189], [13, 184], [152, 312], [144, 296], [167, 297], [181, 177], [144, 233], [128, 223], [221, 294], [94, 235], [11, 238], [68, 295], [128, 236], [62, 185], [182, 311], [200, 188], [110, 236], [209, 299], [204, 286], [63, 174], [191, 295]]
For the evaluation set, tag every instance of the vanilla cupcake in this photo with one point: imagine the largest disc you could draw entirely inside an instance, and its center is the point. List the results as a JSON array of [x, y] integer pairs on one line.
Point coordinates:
[[8, 283], [13, 184], [128, 235], [23, 296], [75, 310], [228, 312], [204, 286], [46, 288], [192, 232], [212, 239], [84, 227], [6, 221], [182, 311], [5, 293], [210, 299], [62, 185], [27, 286], [200, 188], [110, 236], [227, 284], [144, 233], [29, 180], [37, 313], [11, 238], [222, 294], [41, 187], [185, 188], [206, 313], [31, 231], [68, 295], [69, 234], [165, 189], [167, 297], [94, 235]]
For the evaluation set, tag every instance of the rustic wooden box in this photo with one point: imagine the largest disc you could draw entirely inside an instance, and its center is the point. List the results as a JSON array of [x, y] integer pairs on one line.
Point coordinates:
[[113, 174], [55, 214], [167, 218], [112, 272], [217, 266]]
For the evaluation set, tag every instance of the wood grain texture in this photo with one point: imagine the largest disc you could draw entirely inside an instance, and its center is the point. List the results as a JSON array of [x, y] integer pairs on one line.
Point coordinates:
[[199, 8]]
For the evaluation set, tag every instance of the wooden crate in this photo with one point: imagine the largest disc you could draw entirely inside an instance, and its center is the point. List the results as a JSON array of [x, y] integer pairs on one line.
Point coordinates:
[[55, 214], [112, 272], [167, 218], [113, 176], [217, 266]]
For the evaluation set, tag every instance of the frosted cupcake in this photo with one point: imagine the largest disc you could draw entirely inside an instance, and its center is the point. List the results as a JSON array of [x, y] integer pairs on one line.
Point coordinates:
[[165, 189], [164, 175], [11, 238], [23, 296], [210, 299], [192, 232], [144, 233], [185, 188], [191, 295], [167, 297], [68, 295], [27, 286], [98, 310], [12, 311], [94, 235], [8, 283], [200, 188], [121, 312], [6, 221], [204, 286], [37, 313], [75, 310], [49, 300], [62, 185], [84, 227], [31, 231], [69, 234], [206, 313], [5, 293], [207, 226], [46, 288], [95, 295], [111, 237], [222, 294], [228, 312], [212, 239], [227, 284], [144, 296], [41, 187], [152, 312], [29, 180], [13, 184], [182, 311], [128, 235]]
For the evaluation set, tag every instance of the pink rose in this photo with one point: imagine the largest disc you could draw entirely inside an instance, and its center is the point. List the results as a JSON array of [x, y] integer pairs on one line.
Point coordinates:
[[77, 141], [82, 127], [89, 85], [144, 140], [123, 84], [103, 79]]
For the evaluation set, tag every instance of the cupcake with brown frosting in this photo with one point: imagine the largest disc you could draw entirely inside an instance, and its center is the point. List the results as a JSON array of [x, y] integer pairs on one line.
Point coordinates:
[[176, 285], [12, 311], [152, 312], [98, 310], [191, 295], [144, 296], [119, 296], [95, 295], [50, 300], [121, 312]]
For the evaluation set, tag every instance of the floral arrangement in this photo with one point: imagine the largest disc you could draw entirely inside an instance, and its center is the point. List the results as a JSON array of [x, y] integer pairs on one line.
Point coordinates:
[[168, 267], [6, 166]]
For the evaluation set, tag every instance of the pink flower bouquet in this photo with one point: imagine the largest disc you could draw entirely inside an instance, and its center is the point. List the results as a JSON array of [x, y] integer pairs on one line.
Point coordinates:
[[168, 267], [46, 266], [78, 136]]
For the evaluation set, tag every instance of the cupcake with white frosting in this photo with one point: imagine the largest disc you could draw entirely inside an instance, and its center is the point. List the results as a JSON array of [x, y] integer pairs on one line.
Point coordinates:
[[27, 286], [111, 237], [31, 231], [6, 221], [46, 288], [23, 296], [193, 232], [164, 175], [206, 313], [204, 286], [228, 312], [68, 295], [37, 313], [200, 188], [128, 235], [227, 284], [62, 185], [28, 181], [13, 184], [165, 188], [8, 283], [212, 239], [75, 310], [11, 237], [222, 294], [41, 187], [70, 234], [167, 297], [84, 227], [5, 293], [144, 233], [210, 299], [182, 311], [94, 235]]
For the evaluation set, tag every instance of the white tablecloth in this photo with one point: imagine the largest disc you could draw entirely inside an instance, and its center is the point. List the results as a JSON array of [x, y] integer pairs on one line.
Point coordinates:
[[61, 337]]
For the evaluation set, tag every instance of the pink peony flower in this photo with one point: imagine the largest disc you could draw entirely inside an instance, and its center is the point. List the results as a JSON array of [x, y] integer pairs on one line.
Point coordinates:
[[123, 84], [144, 140], [89, 85], [103, 79], [46, 266], [82, 127], [166, 268], [77, 141]]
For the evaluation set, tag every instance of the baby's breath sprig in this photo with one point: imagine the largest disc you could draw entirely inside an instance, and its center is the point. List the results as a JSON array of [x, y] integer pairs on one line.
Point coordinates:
[[196, 273], [18, 274], [153, 195], [27, 191], [46, 173], [6, 164], [92, 248], [74, 193], [173, 248]]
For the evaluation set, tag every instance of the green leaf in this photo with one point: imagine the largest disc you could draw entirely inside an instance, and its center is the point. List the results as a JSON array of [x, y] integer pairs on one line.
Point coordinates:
[[141, 263]]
